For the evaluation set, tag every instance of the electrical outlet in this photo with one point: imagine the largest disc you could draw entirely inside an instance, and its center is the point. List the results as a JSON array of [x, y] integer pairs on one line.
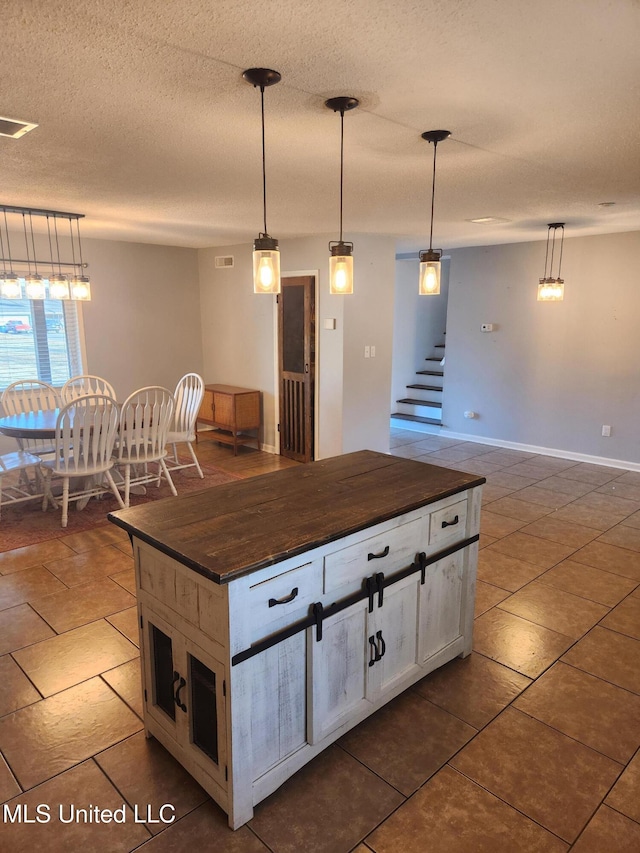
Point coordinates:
[[367, 352], [606, 430], [373, 352], [486, 327]]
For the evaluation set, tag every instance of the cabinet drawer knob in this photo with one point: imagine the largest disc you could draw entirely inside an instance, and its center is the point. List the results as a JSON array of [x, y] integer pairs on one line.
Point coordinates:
[[285, 600], [378, 556], [451, 523]]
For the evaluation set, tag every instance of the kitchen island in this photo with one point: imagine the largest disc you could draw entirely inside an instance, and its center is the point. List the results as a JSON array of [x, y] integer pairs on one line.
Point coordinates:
[[278, 612]]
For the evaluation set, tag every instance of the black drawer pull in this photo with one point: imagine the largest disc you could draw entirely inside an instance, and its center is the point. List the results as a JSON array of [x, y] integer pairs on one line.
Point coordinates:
[[378, 556], [176, 698], [285, 600], [382, 648], [373, 651], [450, 523]]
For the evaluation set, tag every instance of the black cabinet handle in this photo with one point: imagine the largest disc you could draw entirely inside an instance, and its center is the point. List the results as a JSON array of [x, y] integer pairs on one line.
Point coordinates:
[[176, 698], [450, 523], [373, 651], [378, 556], [382, 647], [285, 600]]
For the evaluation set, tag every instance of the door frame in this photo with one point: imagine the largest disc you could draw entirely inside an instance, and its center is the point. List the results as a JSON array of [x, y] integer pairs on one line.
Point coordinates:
[[315, 274]]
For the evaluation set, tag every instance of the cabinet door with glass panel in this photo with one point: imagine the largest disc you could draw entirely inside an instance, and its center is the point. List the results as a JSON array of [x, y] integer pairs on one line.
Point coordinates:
[[184, 694]]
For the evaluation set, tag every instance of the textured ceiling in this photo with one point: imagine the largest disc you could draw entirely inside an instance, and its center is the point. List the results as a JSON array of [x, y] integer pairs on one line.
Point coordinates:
[[147, 127]]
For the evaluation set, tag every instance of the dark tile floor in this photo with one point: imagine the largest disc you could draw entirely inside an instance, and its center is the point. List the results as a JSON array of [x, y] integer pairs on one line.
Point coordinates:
[[530, 744]]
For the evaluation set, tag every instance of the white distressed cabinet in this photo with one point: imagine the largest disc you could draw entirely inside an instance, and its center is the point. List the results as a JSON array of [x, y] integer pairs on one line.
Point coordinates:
[[277, 613]]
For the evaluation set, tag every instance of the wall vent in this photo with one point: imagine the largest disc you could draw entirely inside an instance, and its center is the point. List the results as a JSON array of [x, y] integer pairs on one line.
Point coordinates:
[[14, 128], [224, 261]]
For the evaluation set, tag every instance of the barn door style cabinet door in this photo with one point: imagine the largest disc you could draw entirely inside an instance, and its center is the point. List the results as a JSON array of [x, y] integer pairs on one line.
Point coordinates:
[[364, 652], [278, 613]]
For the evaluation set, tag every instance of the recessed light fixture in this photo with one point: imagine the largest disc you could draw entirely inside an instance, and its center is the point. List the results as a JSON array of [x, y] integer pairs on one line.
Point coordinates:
[[14, 128], [488, 220], [606, 204]]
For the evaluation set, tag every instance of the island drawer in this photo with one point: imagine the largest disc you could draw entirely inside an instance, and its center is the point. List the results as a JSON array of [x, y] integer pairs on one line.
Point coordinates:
[[385, 552], [448, 524], [283, 594]]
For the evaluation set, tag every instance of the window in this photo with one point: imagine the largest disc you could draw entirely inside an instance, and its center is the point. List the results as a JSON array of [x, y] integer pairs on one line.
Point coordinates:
[[39, 339]]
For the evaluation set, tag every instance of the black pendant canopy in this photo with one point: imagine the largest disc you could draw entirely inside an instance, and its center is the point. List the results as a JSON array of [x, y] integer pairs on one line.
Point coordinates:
[[262, 77]]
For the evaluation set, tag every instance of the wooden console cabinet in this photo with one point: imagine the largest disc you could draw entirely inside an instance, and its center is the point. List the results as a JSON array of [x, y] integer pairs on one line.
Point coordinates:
[[232, 411], [278, 612]]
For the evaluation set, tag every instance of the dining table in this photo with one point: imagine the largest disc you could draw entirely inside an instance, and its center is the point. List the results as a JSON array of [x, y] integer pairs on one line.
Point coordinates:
[[25, 425]]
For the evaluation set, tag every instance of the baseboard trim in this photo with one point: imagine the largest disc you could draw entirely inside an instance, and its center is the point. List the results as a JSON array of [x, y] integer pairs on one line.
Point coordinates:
[[543, 451]]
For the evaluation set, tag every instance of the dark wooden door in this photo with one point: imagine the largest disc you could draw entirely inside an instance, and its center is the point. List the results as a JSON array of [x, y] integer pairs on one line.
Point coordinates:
[[296, 366]]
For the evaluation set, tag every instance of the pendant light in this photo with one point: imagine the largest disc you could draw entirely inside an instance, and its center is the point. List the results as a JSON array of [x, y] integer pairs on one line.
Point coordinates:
[[341, 260], [34, 287], [58, 286], [266, 256], [551, 289], [80, 283], [10, 287], [429, 282], [58, 282]]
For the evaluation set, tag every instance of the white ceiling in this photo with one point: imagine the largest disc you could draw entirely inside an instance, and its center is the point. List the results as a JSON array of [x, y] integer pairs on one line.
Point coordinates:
[[147, 127]]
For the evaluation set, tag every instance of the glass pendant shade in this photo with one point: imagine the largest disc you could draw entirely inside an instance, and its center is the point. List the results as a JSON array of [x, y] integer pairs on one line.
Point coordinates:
[[35, 287], [10, 286], [341, 268], [59, 287], [266, 265], [81, 288], [551, 290], [429, 281]]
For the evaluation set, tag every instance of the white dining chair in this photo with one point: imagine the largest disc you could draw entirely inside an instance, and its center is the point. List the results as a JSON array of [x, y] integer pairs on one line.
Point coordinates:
[[80, 386], [30, 395], [188, 397], [145, 418], [17, 491], [86, 430]]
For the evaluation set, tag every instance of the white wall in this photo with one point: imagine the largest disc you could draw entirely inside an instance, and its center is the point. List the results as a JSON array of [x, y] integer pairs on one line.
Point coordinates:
[[142, 326], [237, 328], [239, 346], [552, 373], [369, 321]]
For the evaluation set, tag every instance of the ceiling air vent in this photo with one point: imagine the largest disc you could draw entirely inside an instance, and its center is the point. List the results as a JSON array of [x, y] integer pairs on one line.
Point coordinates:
[[224, 261], [14, 127]]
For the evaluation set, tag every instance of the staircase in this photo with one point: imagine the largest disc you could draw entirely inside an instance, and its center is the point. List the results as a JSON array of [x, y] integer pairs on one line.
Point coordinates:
[[423, 404]]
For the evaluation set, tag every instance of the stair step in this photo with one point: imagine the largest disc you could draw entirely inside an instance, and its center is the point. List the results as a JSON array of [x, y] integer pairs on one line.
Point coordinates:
[[433, 358], [430, 372], [420, 387], [438, 346], [412, 401], [416, 419]]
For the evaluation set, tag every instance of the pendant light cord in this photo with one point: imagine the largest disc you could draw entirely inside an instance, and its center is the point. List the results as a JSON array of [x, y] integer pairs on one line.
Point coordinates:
[[561, 246], [433, 194], [546, 257], [264, 164], [341, 166]]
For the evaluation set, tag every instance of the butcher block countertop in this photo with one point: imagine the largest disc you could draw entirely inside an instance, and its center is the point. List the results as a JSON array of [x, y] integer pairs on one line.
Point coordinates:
[[236, 528]]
